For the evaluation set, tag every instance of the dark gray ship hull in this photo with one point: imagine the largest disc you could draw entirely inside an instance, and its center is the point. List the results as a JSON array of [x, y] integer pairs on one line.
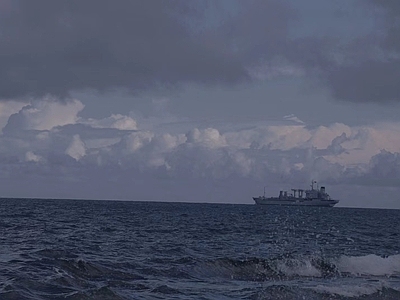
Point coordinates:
[[295, 202]]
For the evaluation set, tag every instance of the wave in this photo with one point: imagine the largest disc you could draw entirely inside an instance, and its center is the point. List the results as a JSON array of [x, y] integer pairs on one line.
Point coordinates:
[[366, 291], [257, 269], [342, 292], [61, 274], [370, 265], [311, 277]]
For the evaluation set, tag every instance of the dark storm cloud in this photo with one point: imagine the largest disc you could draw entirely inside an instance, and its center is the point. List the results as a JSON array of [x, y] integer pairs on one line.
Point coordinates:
[[360, 67], [370, 81], [55, 47], [58, 46], [372, 70], [391, 9]]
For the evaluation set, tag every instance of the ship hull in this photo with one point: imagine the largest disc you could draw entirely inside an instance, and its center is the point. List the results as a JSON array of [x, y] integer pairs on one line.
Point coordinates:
[[295, 202]]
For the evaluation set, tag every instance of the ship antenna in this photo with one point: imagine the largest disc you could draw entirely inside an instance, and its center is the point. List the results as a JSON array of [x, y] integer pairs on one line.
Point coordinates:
[[264, 191]]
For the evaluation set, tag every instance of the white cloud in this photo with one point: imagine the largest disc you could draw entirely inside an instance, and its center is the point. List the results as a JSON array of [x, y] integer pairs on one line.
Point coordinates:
[[45, 114], [209, 137], [362, 143], [293, 118], [116, 121], [282, 135], [77, 148], [207, 162], [30, 156], [322, 137], [137, 140]]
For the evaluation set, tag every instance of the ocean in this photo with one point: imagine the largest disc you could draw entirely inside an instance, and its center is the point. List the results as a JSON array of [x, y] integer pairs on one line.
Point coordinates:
[[80, 249]]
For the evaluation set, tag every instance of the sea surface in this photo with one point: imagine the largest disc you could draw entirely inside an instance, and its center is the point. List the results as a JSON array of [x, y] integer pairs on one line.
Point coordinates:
[[79, 249]]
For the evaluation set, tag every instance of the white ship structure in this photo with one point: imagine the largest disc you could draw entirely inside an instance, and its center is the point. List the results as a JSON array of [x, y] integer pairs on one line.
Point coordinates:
[[313, 197]]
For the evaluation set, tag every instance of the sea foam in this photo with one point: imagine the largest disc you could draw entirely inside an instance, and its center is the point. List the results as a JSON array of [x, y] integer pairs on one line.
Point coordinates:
[[348, 290], [369, 265]]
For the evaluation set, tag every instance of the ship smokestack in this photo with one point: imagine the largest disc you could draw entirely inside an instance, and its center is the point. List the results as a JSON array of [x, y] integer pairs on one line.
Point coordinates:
[[322, 189], [280, 194]]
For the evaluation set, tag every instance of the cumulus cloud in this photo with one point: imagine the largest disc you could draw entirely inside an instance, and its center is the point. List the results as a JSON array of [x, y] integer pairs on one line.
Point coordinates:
[[323, 136], [30, 156], [135, 141], [50, 114], [281, 137], [77, 148], [386, 165], [44, 115], [208, 162], [209, 137], [7, 109]]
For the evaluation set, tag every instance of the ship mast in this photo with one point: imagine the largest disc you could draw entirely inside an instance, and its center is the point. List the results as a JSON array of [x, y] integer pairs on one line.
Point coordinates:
[[312, 184]]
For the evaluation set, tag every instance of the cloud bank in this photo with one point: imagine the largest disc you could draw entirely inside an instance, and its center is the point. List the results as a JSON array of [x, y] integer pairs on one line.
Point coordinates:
[[89, 158]]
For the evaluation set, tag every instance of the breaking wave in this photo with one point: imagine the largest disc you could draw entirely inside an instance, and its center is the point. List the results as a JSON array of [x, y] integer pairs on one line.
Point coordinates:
[[256, 269], [369, 265], [285, 268], [370, 276]]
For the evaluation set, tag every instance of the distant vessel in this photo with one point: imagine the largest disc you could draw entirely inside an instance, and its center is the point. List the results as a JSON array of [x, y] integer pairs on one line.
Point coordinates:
[[313, 197]]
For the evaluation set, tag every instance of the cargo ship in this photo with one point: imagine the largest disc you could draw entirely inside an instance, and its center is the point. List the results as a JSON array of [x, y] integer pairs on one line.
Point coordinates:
[[312, 197]]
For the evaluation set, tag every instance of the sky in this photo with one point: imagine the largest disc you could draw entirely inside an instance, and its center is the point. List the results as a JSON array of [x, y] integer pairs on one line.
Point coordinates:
[[200, 101]]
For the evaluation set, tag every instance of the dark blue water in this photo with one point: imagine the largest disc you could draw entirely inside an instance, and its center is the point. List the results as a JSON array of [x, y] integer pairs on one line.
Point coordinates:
[[65, 249]]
